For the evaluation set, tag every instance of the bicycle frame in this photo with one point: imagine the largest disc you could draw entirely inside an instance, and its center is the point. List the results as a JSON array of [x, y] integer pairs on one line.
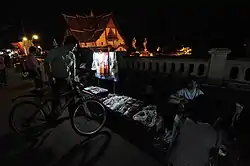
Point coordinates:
[[24, 96], [72, 100], [29, 95]]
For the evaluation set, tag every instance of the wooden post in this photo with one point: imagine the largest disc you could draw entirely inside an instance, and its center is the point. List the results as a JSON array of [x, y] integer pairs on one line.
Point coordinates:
[[98, 81]]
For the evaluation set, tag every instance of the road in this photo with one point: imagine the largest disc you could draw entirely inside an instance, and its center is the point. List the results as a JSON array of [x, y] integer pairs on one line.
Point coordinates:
[[61, 145]]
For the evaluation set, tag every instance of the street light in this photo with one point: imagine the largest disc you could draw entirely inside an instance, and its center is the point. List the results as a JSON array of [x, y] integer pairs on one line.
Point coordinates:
[[25, 38], [35, 37]]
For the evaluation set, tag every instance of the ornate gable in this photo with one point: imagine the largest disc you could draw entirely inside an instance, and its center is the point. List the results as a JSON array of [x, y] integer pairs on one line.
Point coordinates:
[[94, 30]]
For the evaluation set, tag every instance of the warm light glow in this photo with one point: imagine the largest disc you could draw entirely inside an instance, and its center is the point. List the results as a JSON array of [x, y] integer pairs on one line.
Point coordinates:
[[25, 38], [158, 49], [35, 37], [183, 51], [39, 47]]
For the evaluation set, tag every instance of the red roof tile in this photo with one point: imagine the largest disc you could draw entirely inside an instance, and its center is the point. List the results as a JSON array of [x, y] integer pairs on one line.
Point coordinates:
[[71, 22], [87, 28]]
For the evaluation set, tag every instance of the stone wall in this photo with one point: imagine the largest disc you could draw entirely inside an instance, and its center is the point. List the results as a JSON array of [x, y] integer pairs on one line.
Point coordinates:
[[216, 70]]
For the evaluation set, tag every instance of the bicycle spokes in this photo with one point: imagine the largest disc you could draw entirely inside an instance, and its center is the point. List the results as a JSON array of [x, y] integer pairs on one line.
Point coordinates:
[[89, 117]]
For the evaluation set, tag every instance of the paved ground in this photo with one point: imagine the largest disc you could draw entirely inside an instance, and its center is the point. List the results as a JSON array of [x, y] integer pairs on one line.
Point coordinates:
[[60, 145]]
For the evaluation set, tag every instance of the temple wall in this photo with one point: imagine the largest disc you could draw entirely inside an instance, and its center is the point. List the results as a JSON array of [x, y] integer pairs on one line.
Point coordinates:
[[102, 40]]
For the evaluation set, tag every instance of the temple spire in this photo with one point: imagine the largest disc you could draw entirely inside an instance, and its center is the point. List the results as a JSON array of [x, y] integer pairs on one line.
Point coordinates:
[[91, 13], [134, 43], [145, 44]]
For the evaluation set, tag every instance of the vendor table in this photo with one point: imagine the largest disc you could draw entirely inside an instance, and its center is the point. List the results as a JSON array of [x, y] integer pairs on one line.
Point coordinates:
[[134, 131]]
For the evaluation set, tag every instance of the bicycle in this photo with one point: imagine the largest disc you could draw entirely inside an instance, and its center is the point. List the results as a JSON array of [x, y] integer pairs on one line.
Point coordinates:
[[78, 96]]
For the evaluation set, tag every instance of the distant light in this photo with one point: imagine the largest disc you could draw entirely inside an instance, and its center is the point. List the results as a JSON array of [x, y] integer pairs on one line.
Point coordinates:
[[39, 47], [11, 53], [1, 52], [25, 38], [35, 37]]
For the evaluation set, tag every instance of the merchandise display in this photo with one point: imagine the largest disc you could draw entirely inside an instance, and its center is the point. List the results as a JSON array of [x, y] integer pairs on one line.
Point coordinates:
[[122, 104], [147, 116], [95, 90], [137, 112], [159, 124], [131, 107], [107, 97], [115, 102], [106, 66]]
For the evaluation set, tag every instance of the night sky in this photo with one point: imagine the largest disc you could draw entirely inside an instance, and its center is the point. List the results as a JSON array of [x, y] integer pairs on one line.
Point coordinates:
[[163, 23]]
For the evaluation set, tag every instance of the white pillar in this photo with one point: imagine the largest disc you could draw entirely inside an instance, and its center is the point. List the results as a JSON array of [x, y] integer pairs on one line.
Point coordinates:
[[217, 64], [241, 75], [195, 71]]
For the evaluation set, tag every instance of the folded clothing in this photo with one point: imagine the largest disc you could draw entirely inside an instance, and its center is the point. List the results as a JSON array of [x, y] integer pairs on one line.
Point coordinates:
[[115, 102], [122, 104], [95, 89], [147, 116], [131, 107]]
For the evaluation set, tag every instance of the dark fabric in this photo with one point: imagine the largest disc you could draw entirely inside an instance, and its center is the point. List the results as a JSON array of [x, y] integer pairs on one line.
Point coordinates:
[[23, 66], [32, 73], [202, 109], [207, 110], [85, 56], [59, 87], [3, 76], [36, 78], [168, 112], [7, 60]]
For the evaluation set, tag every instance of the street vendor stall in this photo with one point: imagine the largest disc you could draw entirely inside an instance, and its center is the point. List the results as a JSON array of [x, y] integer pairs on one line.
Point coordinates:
[[130, 118]]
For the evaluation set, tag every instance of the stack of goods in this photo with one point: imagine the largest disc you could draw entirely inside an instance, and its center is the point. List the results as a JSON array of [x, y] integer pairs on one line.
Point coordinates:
[[122, 104], [108, 96], [147, 116], [159, 124], [131, 107], [95, 90], [114, 102]]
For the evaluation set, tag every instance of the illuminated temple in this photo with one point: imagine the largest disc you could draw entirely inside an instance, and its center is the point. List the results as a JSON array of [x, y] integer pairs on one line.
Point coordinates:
[[95, 31]]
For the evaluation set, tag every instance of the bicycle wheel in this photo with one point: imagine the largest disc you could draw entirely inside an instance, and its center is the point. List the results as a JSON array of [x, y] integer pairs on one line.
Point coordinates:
[[89, 117], [27, 119]]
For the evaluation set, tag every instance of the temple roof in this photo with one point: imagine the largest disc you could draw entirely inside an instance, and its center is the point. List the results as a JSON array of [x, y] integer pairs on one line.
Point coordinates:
[[87, 28]]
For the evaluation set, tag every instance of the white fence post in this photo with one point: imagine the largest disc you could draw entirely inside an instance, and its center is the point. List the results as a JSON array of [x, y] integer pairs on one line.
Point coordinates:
[[217, 64]]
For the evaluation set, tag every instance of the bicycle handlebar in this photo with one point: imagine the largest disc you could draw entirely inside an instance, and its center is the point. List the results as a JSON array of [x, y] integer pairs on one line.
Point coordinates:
[[80, 87]]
